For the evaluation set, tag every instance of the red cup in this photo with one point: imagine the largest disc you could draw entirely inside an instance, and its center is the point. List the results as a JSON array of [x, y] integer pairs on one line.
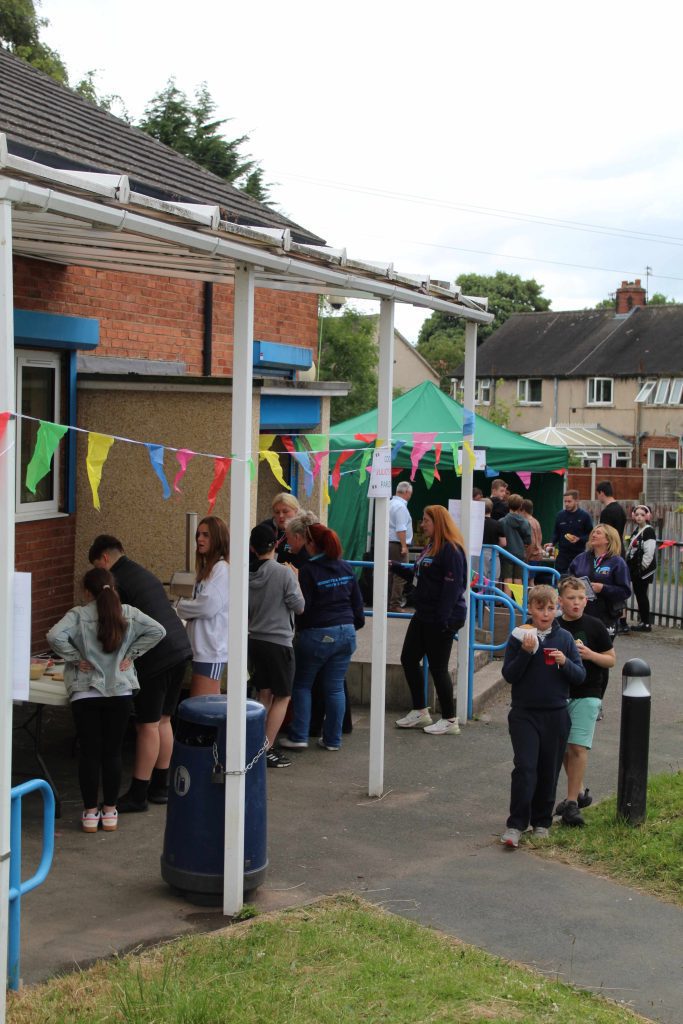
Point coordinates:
[[549, 655]]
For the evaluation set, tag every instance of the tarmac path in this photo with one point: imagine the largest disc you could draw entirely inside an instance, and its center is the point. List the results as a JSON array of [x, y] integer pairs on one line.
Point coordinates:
[[428, 849]]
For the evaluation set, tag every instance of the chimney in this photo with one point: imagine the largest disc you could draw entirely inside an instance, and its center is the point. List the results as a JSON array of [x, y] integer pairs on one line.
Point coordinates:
[[629, 295]]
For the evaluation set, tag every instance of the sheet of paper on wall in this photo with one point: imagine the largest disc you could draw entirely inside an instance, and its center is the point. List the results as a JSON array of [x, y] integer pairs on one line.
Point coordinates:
[[380, 474], [476, 523], [21, 636]]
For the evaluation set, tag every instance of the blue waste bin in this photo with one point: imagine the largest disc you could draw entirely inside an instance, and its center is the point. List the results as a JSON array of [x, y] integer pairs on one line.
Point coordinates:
[[192, 858]]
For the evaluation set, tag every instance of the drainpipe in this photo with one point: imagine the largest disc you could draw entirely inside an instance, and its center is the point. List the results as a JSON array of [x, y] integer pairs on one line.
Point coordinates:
[[556, 400], [207, 349]]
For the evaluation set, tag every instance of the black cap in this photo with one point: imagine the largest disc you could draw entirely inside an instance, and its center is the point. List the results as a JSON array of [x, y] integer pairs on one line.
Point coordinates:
[[262, 539]]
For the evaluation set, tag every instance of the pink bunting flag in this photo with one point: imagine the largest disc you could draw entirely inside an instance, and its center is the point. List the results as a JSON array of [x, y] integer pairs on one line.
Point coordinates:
[[220, 471], [183, 456], [422, 442], [341, 459], [560, 472], [317, 462], [4, 420], [524, 477], [437, 458]]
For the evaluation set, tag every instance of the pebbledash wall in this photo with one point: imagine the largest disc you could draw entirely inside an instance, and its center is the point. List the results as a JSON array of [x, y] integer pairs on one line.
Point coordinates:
[[142, 317]]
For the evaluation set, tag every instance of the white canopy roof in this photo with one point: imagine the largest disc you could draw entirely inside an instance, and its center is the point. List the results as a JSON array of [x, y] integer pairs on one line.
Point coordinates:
[[590, 436]]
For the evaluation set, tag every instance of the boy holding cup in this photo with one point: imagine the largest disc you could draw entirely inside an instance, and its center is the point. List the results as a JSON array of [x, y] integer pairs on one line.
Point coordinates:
[[541, 662]]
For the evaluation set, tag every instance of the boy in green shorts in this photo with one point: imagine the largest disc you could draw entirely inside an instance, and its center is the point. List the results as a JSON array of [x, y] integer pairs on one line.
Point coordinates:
[[598, 655]]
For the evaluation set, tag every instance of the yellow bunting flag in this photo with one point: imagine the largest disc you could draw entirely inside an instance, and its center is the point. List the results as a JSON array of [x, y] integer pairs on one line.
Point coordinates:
[[470, 454], [517, 591], [265, 441], [98, 450], [273, 460], [326, 493]]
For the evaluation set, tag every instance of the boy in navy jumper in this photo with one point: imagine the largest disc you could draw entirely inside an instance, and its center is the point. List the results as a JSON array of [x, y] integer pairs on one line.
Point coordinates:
[[541, 662]]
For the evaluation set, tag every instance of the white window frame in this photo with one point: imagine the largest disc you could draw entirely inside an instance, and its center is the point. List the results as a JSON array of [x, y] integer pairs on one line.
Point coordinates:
[[482, 391], [646, 391], [523, 389], [664, 452], [29, 510], [676, 393], [662, 391], [595, 384]]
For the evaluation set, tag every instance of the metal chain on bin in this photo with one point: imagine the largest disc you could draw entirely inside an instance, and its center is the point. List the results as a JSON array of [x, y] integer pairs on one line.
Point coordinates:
[[241, 771]]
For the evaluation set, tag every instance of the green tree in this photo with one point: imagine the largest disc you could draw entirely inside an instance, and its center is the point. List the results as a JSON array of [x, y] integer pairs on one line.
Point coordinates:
[[348, 351], [20, 33], [442, 337], [190, 128], [661, 300], [609, 303], [111, 102]]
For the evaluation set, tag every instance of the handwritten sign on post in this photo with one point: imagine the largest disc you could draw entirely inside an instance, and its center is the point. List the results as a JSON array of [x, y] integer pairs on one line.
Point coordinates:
[[380, 474]]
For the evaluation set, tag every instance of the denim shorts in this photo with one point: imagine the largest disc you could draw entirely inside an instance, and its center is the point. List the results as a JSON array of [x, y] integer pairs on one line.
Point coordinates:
[[583, 712]]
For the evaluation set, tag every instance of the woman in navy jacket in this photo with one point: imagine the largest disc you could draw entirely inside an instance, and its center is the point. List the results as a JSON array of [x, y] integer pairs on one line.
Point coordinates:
[[601, 563], [440, 595], [325, 638]]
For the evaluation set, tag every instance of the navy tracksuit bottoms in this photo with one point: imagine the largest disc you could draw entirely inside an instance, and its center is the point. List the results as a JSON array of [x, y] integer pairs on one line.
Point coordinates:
[[539, 740]]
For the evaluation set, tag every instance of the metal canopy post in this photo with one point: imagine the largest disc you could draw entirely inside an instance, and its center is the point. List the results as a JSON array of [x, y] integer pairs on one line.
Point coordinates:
[[464, 653], [7, 471], [240, 493], [378, 679]]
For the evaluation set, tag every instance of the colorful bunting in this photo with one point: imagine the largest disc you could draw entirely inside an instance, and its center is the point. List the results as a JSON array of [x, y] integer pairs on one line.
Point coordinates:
[[366, 438], [221, 468], [98, 450], [422, 442], [156, 457], [273, 460], [304, 460], [397, 446], [517, 591], [468, 423], [524, 477], [437, 459], [341, 459], [326, 493], [47, 441], [364, 463], [472, 458], [288, 443], [183, 456], [5, 417]]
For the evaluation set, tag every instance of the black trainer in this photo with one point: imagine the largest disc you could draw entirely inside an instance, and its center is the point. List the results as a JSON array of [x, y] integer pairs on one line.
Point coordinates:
[[126, 805], [585, 798], [571, 815], [274, 760], [642, 627], [158, 795]]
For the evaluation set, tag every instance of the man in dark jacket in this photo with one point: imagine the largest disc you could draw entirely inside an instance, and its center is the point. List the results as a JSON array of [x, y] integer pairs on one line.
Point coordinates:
[[160, 673], [572, 527]]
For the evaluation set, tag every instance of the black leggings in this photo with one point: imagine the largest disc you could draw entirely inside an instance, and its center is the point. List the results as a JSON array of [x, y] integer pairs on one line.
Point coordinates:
[[100, 726], [642, 599], [425, 638]]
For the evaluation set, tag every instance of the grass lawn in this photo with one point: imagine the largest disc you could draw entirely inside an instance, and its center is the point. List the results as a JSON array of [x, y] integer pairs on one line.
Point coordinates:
[[649, 856], [340, 960]]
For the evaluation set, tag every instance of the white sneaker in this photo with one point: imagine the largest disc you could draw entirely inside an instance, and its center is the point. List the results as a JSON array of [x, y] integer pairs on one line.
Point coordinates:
[[415, 720], [511, 837], [541, 832], [444, 727]]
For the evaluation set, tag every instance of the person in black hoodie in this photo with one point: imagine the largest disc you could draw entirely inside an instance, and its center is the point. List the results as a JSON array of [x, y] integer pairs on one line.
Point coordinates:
[[440, 581], [541, 662], [160, 673]]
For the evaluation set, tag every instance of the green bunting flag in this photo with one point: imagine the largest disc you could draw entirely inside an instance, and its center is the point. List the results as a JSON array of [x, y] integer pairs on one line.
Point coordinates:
[[49, 436]]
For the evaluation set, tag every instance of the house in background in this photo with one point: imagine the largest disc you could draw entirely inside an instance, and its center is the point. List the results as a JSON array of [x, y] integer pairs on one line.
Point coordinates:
[[613, 375], [146, 356]]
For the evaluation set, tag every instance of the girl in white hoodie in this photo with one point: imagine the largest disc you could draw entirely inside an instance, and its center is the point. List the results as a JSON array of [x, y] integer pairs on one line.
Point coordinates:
[[206, 612]]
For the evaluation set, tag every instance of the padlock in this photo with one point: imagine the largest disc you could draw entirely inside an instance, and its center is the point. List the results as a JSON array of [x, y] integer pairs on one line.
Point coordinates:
[[217, 775]]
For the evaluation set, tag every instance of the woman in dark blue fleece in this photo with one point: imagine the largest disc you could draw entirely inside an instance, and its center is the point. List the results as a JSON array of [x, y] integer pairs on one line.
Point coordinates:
[[326, 637], [440, 595], [541, 661], [601, 563]]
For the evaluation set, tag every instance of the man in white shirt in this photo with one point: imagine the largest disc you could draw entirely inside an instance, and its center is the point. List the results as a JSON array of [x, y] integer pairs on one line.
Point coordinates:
[[400, 537]]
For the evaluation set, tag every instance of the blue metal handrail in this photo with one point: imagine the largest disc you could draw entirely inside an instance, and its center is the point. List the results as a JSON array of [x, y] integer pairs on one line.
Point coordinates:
[[17, 888]]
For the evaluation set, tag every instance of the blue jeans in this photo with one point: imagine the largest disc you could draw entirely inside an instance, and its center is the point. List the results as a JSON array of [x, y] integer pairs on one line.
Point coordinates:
[[328, 648]]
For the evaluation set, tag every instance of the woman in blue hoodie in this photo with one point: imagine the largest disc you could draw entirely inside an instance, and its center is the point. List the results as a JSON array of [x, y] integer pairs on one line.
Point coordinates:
[[326, 637], [603, 567], [440, 594]]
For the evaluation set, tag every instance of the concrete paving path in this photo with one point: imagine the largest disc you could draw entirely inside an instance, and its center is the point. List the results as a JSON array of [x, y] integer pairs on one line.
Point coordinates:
[[428, 849]]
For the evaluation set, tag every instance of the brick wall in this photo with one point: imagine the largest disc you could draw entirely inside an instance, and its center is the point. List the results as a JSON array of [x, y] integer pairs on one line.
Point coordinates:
[[147, 317], [653, 441], [45, 548]]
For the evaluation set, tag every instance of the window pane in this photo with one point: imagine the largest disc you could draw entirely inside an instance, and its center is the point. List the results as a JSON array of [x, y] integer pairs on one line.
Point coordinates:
[[521, 390], [535, 386], [676, 391], [671, 459], [662, 389], [37, 399], [645, 393]]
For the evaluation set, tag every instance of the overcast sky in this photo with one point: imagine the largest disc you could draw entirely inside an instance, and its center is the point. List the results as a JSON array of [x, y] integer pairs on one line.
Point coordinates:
[[442, 137]]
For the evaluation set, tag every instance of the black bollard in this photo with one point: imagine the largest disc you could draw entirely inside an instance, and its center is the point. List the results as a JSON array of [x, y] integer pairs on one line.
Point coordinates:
[[634, 741]]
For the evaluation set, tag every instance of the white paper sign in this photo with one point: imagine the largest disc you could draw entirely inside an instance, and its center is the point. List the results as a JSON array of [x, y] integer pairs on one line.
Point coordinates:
[[380, 474], [479, 458], [476, 523], [21, 636]]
